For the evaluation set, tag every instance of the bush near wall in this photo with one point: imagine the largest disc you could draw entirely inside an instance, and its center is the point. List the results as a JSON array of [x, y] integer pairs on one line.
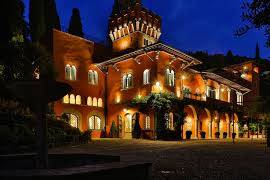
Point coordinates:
[[19, 136]]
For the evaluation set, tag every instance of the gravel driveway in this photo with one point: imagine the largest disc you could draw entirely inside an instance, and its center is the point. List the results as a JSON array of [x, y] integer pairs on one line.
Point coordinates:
[[195, 159]]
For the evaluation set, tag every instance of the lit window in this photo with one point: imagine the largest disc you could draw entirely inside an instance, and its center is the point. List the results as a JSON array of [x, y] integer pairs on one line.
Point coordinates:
[[127, 81], [89, 101], [68, 72], [211, 92], [94, 123], [78, 99], [93, 77], [95, 101], [72, 99], [146, 76], [73, 73], [239, 98], [100, 102], [147, 122], [170, 77], [73, 120], [66, 99]]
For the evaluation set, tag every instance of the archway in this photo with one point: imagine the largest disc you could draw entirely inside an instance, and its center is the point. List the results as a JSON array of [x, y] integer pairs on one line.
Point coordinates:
[[215, 123], [234, 127], [190, 121], [128, 126], [205, 122]]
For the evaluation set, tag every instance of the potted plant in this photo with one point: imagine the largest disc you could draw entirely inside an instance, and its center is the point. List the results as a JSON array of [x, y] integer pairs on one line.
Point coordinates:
[[188, 134], [186, 92], [202, 133], [225, 135], [233, 135], [217, 134]]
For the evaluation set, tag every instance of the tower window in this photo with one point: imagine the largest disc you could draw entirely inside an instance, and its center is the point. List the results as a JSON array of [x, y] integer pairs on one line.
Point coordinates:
[[127, 81], [93, 77], [170, 80], [146, 76]]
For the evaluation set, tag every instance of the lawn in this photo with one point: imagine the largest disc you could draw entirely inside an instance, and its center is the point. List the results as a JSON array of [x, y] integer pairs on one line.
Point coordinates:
[[208, 159]]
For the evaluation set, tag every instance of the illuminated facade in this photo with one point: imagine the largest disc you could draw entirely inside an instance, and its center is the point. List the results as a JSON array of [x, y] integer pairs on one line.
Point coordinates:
[[139, 64]]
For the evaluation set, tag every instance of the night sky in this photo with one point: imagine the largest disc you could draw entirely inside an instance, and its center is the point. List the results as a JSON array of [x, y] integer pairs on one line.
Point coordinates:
[[188, 25]]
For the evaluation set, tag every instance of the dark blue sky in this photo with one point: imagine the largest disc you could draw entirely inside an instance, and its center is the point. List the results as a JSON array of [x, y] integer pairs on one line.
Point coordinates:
[[188, 25]]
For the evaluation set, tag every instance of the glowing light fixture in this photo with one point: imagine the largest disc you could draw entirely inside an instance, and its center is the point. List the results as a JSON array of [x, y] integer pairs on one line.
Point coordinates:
[[125, 110], [183, 77]]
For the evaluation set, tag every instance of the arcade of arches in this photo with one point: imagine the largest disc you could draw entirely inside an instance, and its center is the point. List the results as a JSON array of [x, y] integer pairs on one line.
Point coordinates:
[[203, 120]]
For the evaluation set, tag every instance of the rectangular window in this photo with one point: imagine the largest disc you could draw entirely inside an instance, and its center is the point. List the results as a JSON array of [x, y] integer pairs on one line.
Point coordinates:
[[211, 93]]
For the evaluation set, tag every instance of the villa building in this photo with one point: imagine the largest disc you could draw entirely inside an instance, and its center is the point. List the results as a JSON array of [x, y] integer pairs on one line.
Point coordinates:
[[104, 80]]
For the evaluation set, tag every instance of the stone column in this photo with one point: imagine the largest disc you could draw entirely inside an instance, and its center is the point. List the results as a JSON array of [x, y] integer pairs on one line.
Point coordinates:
[[229, 95]]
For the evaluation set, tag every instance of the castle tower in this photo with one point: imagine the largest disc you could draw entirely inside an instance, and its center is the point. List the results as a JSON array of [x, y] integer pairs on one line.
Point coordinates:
[[132, 26]]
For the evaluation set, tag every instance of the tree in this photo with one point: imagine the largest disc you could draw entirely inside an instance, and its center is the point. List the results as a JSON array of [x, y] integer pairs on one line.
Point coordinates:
[[113, 130], [136, 133], [256, 14], [257, 56], [37, 20], [52, 19], [12, 21], [229, 55], [13, 34], [75, 24]]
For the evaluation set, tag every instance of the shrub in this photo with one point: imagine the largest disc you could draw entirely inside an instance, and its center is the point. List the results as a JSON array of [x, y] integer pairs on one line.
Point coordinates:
[[113, 130], [202, 133], [136, 133], [217, 134], [86, 136], [188, 134], [225, 135]]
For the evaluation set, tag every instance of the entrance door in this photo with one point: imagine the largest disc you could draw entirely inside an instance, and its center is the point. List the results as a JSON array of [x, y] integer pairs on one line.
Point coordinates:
[[128, 126]]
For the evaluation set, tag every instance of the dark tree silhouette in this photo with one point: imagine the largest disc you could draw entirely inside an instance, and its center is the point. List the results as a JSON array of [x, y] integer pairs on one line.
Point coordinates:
[[229, 55], [12, 21], [257, 56], [51, 16], [75, 24], [37, 20], [256, 14]]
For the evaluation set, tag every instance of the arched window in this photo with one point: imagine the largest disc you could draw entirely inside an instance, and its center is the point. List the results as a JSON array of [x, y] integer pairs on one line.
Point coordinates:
[[73, 73], [95, 101], [127, 81], [89, 101], [66, 99], [92, 77], [147, 122], [94, 123], [146, 76], [78, 100], [72, 99], [100, 102], [73, 120], [170, 77], [68, 72]]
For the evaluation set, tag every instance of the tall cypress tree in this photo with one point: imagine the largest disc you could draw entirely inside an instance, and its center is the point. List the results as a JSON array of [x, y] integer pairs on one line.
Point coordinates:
[[75, 24], [257, 56], [37, 20], [12, 20], [52, 19]]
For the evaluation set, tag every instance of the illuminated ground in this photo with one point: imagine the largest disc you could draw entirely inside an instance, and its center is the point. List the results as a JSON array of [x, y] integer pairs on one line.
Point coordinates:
[[246, 159]]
